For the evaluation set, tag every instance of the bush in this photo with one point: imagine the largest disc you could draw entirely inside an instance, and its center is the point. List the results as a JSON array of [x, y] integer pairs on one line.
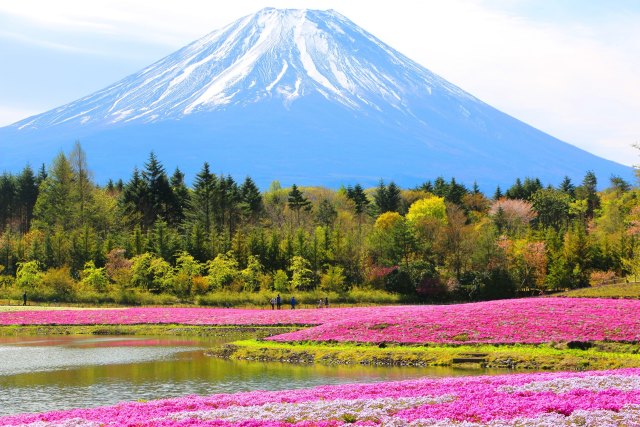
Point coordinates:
[[59, 284], [333, 280], [29, 276], [399, 281]]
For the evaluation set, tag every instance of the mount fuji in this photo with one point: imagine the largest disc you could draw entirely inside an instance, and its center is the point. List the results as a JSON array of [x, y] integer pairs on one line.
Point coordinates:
[[301, 96]]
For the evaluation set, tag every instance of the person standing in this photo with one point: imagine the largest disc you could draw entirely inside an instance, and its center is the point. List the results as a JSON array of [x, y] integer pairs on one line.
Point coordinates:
[[278, 301], [293, 303], [24, 298], [326, 302], [272, 301]]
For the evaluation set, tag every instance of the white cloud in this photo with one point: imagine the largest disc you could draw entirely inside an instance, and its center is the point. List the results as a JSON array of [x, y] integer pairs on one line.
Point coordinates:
[[576, 78]]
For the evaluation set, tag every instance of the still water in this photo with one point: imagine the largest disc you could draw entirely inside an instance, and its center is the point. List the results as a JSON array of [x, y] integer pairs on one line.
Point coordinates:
[[49, 373]]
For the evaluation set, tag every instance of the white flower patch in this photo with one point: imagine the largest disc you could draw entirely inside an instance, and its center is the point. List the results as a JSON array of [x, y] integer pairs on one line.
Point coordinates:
[[378, 410], [592, 383], [626, 417]]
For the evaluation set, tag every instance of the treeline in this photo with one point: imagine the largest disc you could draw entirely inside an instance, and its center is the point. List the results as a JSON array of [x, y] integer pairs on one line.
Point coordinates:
[[155, 239]]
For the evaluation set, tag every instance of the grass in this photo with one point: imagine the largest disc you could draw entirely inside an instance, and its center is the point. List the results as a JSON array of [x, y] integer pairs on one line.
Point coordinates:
[[616, 290], [143, 329], [538, 357], [7, 308]]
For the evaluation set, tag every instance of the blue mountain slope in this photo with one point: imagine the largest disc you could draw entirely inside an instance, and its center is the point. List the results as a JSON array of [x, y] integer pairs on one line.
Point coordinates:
[[300, 96]]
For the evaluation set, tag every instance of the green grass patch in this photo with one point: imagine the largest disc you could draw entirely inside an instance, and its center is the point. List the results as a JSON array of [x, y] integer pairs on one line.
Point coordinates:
[[520, 356], [618, 290], [145, 329]]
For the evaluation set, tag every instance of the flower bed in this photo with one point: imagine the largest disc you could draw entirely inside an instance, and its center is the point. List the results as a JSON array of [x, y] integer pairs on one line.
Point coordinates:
[[534, 320], [186, 316], [610, 398]]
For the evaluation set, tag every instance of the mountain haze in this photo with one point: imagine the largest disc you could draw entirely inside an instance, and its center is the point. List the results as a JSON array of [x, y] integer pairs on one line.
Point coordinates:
[[301, 96]]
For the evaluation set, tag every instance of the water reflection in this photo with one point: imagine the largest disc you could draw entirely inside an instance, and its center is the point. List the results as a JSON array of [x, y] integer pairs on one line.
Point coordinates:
[[70, 372]]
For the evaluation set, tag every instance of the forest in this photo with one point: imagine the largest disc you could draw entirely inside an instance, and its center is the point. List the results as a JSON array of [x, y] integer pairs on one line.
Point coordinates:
[[153, 239]]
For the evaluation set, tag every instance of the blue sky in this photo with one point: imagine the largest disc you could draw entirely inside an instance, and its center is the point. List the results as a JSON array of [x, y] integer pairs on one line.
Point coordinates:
[[568, 67]]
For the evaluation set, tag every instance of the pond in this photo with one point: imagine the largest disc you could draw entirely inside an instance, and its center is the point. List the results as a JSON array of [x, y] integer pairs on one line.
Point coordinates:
[[49, 373]]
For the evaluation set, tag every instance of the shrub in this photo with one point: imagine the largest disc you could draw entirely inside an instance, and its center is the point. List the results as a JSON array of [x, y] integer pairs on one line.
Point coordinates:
[[602, 277], [94, 278], [58, 282], [222, 271], [333, 280], [29, 276], [280, 281]]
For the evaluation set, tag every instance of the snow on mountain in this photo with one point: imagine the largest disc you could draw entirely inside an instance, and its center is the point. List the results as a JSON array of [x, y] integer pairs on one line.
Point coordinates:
[[284, 54], [298, 95]]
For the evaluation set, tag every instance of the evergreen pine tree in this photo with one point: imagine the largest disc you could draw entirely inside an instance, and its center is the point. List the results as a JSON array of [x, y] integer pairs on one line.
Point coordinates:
[[27, 194], [180, 202], [42, 174], [567, 187], [326, 214], [7, 199], [202, 205], [589, 191], [359, 198], [297, 201], [251, 205], [82, 188], [475, 189], [159, 194], [387, 198], [133, 199], [498, 194], [455, 193], [54, 205]]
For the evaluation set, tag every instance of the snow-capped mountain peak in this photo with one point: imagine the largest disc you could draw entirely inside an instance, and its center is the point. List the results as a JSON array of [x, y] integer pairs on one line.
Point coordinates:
[[301, 96], [275, 53]]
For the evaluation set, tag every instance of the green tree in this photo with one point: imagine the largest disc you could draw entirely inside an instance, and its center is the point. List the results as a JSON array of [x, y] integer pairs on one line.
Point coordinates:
[[252, 274], [180, 203], [387, 197], [567, 187], [222, 271], [29, 276], [280, 281], [589, 191], [428, 208], [54, 206], [334, 280], [297, 201], [186, 270], [82, 188], [7, 199], [326, 213], [132, 200], [94, 278], [359, 199], [252, 206], [202, 204], [159, 196], [552, 207], [27, 194], [301, 274]]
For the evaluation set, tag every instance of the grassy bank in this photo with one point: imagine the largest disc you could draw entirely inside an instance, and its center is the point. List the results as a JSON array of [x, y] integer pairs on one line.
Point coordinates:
[[11, 296], [538, 357], [146, 330], [617, 290]]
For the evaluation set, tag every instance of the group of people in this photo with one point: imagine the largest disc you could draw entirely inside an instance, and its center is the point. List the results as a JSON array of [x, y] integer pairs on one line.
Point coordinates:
[[276, 302]]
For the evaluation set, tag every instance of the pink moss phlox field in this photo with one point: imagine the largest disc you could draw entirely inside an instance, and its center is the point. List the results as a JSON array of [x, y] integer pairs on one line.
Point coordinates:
[[606, 398], [533, 320], [173, 315]]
